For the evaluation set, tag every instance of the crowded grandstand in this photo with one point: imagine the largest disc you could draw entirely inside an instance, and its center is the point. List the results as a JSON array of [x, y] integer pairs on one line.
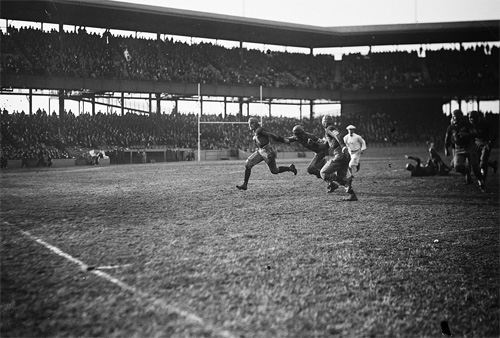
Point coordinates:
[[82, 54]]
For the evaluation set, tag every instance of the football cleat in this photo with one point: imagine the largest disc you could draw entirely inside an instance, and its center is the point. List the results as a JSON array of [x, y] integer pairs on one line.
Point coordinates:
[[293, 169], [352, 197], [242, 186], [332, 187]]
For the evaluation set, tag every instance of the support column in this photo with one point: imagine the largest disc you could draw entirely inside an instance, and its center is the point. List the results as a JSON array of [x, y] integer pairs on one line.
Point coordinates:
[[62, 117], [225, 107], [311, 111], [30, 99], [150, 103], [123, 103], [93, 105], [300, 110], [158, 114], [158, 103]]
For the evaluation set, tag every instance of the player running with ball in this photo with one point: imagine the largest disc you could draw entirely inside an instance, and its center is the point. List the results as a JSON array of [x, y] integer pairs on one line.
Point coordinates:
[[320, 147], [265, 152], [335, 171]]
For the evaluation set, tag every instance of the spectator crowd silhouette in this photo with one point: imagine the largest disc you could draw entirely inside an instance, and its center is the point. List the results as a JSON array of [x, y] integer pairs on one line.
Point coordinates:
[[90, 55], [82, 54]]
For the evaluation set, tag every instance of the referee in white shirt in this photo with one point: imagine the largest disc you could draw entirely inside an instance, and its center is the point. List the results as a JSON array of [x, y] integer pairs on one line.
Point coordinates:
[[356, 146]]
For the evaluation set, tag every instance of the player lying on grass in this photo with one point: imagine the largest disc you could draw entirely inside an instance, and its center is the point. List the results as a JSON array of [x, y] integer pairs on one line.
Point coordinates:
[[434, 166], [335, 171], [265, 152], [319, 146]]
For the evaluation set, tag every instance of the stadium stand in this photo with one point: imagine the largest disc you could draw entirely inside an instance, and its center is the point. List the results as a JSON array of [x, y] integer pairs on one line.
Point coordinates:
[[80, 54]]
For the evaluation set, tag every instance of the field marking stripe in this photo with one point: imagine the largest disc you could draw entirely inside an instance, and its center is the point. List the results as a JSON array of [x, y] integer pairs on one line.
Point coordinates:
[[56, 250], [159, 302], [110, 267], [445, 232]]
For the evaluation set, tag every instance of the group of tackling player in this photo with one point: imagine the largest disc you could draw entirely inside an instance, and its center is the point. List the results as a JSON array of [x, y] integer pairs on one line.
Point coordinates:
[[336, 171], [471, 140]]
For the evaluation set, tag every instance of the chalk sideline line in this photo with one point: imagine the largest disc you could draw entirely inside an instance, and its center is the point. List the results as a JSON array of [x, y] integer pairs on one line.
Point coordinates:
[[190, 317]]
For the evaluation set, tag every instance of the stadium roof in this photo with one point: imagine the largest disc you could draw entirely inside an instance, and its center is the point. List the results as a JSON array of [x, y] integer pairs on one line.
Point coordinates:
[[154, 19]]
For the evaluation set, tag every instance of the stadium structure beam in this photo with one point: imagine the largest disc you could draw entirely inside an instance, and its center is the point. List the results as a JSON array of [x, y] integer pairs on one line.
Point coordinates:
[[156, 19]]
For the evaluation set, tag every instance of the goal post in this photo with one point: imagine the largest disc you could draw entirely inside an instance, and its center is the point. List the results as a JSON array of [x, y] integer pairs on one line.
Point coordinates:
[[217, 122]]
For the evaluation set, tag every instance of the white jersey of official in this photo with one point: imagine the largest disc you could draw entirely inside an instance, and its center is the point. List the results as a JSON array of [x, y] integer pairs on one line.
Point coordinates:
[[354, 143]]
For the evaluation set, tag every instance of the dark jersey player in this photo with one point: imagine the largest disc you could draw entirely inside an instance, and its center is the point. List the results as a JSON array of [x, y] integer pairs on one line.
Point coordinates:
[[264, 152], [461, 135], [335, 171], [484, 141], [434, 166], [317, 145]]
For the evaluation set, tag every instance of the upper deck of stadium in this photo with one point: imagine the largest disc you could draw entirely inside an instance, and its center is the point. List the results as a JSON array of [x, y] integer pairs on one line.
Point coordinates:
[[155, 19]]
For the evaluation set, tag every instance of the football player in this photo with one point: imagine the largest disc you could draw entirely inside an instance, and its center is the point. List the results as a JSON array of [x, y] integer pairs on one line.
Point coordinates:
[[319, 146], [434, 166], [484, 141], [335, 171], [264, 152], [461, 135]]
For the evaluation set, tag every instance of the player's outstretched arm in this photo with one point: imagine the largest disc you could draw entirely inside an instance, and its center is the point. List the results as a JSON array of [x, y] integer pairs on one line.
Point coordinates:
[[412, 158]]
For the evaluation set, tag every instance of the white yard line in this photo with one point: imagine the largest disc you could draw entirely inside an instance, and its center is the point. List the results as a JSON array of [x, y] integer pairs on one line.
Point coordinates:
[[190, 317], [445, 232], [111, 267]]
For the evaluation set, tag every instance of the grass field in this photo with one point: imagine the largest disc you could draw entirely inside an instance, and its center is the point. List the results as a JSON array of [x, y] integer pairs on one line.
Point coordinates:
[[175, 250]]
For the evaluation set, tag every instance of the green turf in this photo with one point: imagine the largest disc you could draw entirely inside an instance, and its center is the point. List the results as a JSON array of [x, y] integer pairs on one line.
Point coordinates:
[[282, 259]]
